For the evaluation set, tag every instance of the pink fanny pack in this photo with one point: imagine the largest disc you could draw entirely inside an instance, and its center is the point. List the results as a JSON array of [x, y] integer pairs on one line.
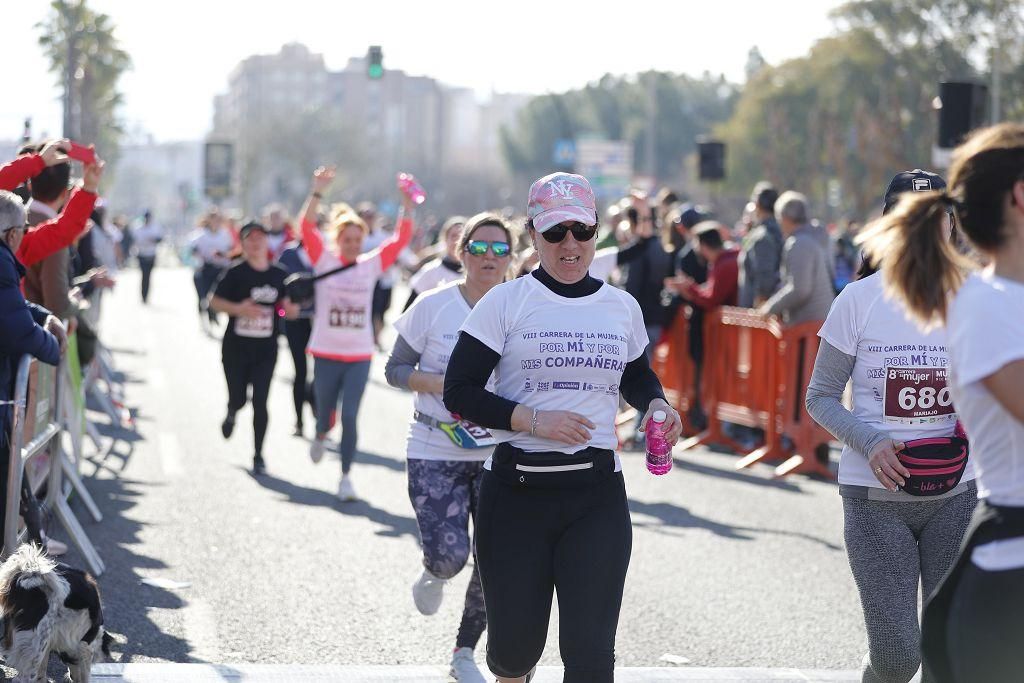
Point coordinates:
[[936, 465]]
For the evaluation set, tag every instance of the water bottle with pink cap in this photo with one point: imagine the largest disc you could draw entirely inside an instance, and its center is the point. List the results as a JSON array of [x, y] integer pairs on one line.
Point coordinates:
[[659, 450], [412, 189]]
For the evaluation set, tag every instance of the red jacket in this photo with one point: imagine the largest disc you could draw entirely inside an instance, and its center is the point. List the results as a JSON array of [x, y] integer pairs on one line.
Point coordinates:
[[722, 284], [53, 235], [23, 168], [57, 233]]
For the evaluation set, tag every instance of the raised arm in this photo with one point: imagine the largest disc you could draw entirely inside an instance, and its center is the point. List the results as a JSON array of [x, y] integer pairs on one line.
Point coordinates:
[[394, 245], [312, 240], [58, 233], [28, 166]]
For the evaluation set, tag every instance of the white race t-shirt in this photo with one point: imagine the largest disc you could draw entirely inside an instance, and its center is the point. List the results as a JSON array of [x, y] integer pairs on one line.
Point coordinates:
[[900, 376], [431, 328], [986, 332], [559, 353], [212, 246], [147, 236], [433, 275], [342, 325]]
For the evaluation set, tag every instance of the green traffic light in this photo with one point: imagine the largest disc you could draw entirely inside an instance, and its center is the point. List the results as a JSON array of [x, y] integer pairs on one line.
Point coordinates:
[[375, 71]]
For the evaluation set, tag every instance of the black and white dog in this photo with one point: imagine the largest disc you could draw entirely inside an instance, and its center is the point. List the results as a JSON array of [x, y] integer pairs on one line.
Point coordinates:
[[49, 607]]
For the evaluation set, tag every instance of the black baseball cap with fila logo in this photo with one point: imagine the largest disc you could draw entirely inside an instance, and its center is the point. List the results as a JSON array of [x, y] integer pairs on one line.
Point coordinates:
[[911, 181]]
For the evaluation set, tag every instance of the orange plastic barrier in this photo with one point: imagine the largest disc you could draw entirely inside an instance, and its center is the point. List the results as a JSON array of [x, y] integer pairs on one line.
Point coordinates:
[[755, 374], [674, 367], [810, 441]]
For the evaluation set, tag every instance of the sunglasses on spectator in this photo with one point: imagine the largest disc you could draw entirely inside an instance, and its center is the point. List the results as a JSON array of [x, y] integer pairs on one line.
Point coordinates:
[[479, 248], [580, 232]]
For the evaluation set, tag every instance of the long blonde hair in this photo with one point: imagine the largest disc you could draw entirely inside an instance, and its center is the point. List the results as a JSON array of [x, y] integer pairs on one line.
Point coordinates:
[[920, 264], [342, 216]]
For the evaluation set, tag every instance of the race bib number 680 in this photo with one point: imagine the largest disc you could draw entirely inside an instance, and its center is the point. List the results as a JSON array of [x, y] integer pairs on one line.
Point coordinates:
[[917, 395]]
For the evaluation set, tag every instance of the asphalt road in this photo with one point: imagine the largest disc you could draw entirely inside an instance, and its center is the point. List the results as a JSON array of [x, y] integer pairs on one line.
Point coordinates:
[[729, 569]]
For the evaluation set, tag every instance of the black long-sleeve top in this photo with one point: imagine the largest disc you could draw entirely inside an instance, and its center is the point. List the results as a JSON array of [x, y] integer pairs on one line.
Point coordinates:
[[472, 363]]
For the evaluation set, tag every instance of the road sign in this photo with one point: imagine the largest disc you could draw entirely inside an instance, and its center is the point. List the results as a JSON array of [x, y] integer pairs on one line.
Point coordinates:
[[607, 164], [564, 155]]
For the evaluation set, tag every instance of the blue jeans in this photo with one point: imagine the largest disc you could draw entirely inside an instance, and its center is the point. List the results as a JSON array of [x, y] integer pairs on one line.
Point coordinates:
[[335, 380]]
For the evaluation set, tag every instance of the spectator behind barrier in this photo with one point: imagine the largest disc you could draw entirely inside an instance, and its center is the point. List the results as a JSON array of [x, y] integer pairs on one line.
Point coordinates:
[[648, 263], [48, 236], [687, 261], [47, 282], [27, 328], [806, 292], [761, 253], [722, 281]]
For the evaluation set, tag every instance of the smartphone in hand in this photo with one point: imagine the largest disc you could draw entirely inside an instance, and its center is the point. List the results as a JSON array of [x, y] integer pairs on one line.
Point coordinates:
[[87, 155]]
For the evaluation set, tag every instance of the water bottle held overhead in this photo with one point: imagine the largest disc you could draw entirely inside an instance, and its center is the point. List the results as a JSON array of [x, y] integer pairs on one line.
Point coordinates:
[[411, 188], [659, 451]]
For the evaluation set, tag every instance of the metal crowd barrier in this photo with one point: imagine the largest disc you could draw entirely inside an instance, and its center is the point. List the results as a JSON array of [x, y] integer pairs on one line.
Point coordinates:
[[37, 452]]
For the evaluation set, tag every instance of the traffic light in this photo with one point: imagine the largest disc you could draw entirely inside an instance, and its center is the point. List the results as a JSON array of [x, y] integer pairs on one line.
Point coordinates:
[[375, 63]]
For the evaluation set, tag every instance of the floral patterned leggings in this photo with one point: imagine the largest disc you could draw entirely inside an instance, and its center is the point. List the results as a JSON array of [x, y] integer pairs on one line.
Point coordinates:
[[444, 494]]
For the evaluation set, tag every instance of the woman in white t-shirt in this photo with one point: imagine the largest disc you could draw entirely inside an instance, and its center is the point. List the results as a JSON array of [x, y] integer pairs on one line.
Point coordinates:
[[442, 269], [211, 245], [895, 538], [553, 515], [972, 626], [342, 339], [445, 462]]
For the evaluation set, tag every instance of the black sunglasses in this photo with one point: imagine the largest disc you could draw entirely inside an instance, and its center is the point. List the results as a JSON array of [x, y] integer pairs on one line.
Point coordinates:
[[580, 232]]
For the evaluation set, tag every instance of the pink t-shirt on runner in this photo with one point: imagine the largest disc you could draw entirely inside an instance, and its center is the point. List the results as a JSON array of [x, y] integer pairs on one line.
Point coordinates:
[[342, 317]]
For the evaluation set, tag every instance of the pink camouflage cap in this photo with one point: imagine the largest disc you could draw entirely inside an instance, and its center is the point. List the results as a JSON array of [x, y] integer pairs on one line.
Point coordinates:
[[561, 197]]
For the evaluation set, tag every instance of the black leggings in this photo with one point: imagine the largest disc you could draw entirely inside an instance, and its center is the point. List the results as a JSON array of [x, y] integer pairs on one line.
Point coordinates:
[[984, 622], [146, 264], [241, 371], [532, 541], [298, 332], [205, 278]]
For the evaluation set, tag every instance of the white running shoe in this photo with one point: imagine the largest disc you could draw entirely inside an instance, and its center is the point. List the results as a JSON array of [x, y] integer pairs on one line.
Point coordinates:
[[346, 491], [316, 450], [464, 668], [427, 593]]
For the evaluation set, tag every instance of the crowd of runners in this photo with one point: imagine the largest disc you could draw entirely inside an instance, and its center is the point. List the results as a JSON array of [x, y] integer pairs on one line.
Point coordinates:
[[524, 339]]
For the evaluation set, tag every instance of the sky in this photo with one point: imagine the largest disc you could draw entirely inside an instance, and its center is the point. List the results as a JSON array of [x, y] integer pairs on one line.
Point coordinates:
[[183, 51]]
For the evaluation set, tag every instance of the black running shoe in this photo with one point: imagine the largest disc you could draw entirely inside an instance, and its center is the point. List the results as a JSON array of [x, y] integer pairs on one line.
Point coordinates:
[[259, 468], [228, 425]]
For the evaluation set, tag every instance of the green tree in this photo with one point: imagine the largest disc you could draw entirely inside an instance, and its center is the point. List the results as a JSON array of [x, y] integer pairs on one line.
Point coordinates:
[[618, 108], [88, 61], [859, 106]]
